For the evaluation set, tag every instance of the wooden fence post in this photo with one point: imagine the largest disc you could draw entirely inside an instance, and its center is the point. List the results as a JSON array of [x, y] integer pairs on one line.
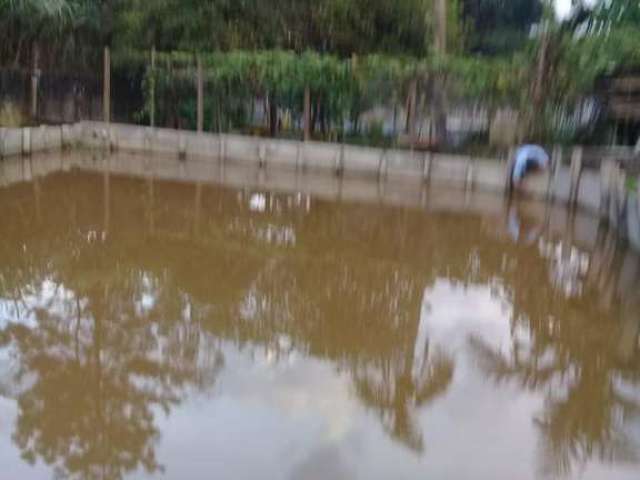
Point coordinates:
[[152, 88], [413, 104], [621, 197], [200, 122], [607, 170], [576, 175], [556, 164], [35, 80], [511, 160], [307, 114], [106, 86]]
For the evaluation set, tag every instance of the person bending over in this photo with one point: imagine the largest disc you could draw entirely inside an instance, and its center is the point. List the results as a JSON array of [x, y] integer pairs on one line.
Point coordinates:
[[528, 159]]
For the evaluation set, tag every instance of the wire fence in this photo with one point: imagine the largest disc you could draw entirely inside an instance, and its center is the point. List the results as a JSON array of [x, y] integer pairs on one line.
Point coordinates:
[[372, 101], [67, 97]]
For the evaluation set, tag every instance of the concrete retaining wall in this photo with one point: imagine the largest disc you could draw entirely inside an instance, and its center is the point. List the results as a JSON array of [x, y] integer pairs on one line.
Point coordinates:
[[603, 192], [633, 219], [618, 204], [564, 184], [346, 160], [24, 141], [10, 141]]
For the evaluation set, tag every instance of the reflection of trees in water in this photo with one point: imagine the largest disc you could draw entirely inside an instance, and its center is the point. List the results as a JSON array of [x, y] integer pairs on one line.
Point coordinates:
[[592, 392], [84, 414], [575, 433], [359, 313], [396, 394], [105, 347], [349, 289], [585, 363], [92, 377]]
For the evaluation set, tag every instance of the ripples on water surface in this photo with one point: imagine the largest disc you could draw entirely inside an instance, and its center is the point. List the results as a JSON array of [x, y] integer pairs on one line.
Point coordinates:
[[164, 328]]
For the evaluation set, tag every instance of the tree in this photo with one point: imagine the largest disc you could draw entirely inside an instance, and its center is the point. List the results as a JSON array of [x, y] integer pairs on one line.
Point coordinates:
[[499, 26], [603, 15], [58, 27], [338, 26]]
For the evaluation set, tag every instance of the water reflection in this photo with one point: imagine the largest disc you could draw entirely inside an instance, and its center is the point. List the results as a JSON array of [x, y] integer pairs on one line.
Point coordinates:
[[592, 396], [123, 300], [522, 228], [568, 264], [90, 368]]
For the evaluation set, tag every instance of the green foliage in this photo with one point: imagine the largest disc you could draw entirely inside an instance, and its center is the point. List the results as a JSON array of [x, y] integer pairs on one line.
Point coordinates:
[[59, 10], [499, 26], [64, 30], [344, 87], [601, 15], [347, 87], [337, 26], [586, 58], [352, 54]]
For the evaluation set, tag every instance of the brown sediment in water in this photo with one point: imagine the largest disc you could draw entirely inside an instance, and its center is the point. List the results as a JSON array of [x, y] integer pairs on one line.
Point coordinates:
[[151, 325]]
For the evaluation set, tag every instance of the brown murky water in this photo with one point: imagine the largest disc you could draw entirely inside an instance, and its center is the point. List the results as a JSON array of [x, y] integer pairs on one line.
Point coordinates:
[[160, 328]]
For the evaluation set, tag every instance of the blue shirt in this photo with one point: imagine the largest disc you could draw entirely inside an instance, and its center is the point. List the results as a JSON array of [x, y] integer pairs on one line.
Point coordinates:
[[528, 156]]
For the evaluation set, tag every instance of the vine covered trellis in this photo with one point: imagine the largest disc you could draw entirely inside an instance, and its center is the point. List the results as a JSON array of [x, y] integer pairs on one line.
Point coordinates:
[[339, 89], [335, 91]]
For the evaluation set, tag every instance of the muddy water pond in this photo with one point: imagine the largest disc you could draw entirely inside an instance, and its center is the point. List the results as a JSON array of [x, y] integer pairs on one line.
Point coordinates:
[[154, 326]]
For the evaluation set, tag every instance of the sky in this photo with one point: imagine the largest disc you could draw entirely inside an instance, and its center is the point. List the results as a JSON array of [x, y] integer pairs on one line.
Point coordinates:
[[563, 7]]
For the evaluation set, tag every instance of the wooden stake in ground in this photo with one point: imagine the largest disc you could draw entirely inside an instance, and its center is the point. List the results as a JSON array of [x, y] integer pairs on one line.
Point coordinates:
[[538, 88], [106, 86], [412, 106], [200, 97], [35, 80], [152, 107], [439, 97], [440, 43], [307, 114]]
